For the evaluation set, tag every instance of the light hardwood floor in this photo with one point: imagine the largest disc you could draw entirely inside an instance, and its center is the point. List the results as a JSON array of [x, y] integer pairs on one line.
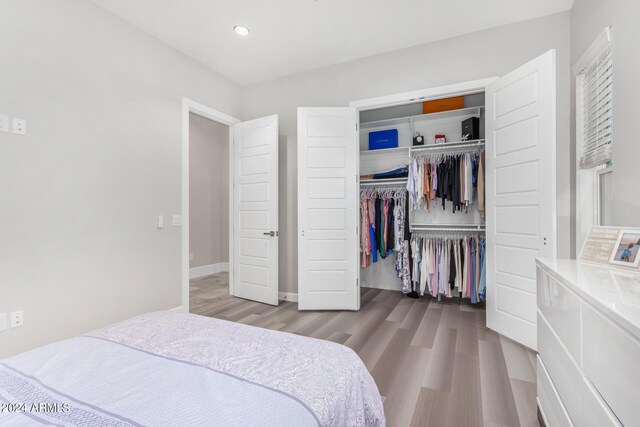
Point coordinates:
[[435, 364]]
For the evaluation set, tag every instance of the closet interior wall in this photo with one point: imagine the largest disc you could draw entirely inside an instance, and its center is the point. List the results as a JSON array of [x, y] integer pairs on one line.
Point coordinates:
[[409, 119]]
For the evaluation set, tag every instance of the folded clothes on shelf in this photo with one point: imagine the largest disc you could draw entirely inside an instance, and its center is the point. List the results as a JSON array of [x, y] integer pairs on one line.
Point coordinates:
[[401, 172]]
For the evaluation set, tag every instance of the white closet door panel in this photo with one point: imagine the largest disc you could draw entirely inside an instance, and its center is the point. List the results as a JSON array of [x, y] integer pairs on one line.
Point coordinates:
[[521, 212], [255, 168], [328, 210]]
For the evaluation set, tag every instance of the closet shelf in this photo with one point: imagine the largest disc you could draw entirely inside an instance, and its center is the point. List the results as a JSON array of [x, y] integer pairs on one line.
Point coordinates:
[[474, 143], [462, 112], [478, 228], [385, 151], [383, 182]]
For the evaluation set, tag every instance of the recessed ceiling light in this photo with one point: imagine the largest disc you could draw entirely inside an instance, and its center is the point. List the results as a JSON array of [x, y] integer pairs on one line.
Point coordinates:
[[243, 31]]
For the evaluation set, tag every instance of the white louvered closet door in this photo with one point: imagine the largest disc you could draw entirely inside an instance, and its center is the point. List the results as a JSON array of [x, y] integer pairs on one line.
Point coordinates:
[[521, 193], [328, 209]]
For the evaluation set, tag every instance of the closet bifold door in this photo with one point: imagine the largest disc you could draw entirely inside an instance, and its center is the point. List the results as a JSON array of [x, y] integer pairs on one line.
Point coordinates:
[[328, 209], [521, 193]]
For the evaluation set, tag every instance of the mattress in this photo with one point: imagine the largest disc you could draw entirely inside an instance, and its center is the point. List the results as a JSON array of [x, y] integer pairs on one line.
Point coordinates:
[[169, 368]]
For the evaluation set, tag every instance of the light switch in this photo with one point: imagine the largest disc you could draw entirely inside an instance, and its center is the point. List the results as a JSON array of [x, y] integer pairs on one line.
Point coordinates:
[[177, 220], [19, 126], [3, 321], [17, 318], [4, 123], [160, 222]]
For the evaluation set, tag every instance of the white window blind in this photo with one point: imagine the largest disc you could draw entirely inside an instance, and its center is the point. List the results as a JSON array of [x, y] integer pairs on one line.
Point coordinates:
[[597, 136]]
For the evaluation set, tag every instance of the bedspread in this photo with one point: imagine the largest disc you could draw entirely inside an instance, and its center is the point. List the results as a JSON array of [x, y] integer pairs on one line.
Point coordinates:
[[170, 368]]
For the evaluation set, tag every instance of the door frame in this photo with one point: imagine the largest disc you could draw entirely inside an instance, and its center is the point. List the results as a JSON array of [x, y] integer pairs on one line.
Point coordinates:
[[191, 106], [456, 89]]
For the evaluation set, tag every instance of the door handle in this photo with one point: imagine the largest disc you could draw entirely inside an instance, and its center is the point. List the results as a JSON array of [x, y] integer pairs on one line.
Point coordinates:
[[270, 233]]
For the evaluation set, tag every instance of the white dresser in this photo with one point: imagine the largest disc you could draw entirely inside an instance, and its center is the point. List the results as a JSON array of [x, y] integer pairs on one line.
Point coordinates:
[[588, 344]]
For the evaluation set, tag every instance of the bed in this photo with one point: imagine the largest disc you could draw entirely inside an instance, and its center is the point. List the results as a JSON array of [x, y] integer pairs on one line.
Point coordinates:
[[170, 369]]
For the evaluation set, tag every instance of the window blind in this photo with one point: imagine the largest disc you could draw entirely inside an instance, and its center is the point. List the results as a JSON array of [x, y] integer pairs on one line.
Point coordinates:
[[597, 136]]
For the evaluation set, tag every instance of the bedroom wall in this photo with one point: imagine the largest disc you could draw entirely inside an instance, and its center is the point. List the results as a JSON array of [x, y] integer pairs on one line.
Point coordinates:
[[488, 53], [208, 191], [588, 19], [101, 159]]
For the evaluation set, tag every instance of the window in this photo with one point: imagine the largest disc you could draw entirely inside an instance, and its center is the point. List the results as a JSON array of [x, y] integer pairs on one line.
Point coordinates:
[[596, 91], [604, 195], [594, 134]]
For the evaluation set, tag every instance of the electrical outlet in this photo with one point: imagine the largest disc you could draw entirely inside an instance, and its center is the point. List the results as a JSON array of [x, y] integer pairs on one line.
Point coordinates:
[[191, 257], [160, 222], [177, 220], [3, 321], [19, 126], [17, 318], [4, 123]]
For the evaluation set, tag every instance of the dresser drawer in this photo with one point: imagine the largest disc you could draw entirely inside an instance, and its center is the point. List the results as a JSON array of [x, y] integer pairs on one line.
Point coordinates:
[[583, 404], [562, 369], [550, 404], [561, 308], [610, 361], [595, 411]]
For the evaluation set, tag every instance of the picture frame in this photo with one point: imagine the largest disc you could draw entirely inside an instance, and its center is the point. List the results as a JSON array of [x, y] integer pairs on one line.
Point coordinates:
[[626, 250]]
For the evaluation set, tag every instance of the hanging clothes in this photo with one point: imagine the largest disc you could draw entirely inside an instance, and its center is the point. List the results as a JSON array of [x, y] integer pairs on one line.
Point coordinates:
[[385, 215], [481, 193], [443, 264], [453, 178]]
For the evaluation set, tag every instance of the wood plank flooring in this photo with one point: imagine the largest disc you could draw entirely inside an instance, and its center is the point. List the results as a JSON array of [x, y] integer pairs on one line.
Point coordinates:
[[435, 364]]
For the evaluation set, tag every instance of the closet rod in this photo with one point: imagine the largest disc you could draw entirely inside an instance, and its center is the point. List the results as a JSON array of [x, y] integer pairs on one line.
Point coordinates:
[[476, 143], [384, 182], [478, 228]]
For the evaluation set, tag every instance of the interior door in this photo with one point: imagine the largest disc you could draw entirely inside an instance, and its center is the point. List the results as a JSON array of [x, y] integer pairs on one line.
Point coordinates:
[[521, 193], [255, 210], [328, 212]]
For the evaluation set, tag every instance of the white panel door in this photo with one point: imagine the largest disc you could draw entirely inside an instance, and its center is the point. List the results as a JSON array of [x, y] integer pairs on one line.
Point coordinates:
[[328, 212], [521, 193], [255, 210]]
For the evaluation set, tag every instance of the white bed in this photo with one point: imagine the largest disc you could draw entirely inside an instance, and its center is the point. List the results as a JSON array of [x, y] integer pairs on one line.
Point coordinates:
[[174, 369]]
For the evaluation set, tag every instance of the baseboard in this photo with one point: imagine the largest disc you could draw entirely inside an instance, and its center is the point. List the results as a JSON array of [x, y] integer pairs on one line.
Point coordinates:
[[178, 309], [207, 270], [386, 286], [288, 296]]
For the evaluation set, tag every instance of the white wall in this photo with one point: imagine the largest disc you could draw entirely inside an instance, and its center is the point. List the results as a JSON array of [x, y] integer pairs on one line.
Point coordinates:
[[80, 193], [588, 19], [487, 53], [208, 191]]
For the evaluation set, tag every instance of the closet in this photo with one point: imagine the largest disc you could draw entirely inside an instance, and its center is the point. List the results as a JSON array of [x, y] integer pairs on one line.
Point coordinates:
[[511, 155]]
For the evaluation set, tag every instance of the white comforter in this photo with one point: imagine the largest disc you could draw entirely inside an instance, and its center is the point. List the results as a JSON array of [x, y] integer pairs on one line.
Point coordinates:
[[169, 368]]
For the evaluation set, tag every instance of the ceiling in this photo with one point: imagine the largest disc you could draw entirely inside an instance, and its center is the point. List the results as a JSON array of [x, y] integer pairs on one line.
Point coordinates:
[[290, 36]]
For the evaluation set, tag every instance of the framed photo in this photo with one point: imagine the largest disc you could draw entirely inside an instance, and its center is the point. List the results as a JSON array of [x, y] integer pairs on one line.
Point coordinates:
[[626, 250]]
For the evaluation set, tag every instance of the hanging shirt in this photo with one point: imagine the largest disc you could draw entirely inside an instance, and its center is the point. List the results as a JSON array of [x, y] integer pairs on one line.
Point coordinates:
[[452, 267], [472, 276], [365, 246], [423, 266], [483, 270], [411, 184], [481, 193]]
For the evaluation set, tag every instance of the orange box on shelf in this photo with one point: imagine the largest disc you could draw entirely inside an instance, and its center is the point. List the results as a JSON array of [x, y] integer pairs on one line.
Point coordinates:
[[444, 104]]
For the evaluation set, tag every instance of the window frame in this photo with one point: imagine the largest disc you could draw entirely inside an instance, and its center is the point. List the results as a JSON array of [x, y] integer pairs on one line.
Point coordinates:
[[588, 191]]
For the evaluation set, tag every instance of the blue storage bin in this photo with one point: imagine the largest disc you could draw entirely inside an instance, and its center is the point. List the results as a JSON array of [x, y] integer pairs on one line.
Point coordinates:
[[383, 139]]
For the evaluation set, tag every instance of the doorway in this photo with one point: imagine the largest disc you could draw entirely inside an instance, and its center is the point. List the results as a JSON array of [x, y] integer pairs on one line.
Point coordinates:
[[208, 212], [207, 142], [252, 206]]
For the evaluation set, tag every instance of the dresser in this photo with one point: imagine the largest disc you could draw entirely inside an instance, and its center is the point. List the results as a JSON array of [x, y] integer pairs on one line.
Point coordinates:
[[588, 344]]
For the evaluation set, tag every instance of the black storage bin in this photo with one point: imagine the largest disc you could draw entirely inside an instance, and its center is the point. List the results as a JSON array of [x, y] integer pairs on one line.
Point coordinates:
[[471, 127]]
